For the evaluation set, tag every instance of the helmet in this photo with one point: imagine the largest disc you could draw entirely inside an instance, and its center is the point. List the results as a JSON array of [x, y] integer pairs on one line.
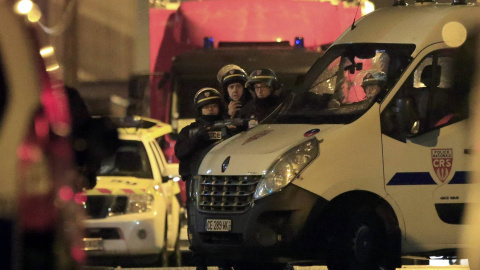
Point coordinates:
[[267, 76], [221, 73], [206, 96], [374, 77], [233, 76]]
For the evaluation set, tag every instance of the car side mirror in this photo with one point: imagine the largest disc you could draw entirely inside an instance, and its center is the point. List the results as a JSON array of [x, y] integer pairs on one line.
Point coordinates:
[[165, 179]]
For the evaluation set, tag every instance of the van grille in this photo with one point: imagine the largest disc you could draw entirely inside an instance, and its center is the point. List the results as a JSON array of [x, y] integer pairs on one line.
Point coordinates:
[[226, 193]]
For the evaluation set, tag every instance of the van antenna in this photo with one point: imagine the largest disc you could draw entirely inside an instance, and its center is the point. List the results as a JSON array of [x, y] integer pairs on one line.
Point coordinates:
[[354, 17]]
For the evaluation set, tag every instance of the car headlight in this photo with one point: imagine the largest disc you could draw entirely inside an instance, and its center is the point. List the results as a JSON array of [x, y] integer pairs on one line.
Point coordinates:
[[287, 167], [139, 203]]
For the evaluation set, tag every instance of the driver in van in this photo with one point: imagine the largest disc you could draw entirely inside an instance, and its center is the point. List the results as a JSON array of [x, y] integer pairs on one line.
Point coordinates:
[[373, 83]]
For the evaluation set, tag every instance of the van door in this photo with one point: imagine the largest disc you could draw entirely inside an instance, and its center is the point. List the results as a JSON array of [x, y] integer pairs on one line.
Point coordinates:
[[424, 136]]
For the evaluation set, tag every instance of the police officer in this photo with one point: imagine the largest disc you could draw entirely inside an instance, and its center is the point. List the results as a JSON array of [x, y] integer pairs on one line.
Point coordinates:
[[264, 83], [198, 135], [192, 142], [232, 79], [373, 82]]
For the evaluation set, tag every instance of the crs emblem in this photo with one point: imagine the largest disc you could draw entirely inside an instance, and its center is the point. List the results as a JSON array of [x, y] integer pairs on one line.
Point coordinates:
[[442, 160]]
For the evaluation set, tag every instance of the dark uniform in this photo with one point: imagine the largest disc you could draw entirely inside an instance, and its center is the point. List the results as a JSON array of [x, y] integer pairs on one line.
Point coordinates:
[[198, 135], [191, 140], [194, 141], [259, 108]]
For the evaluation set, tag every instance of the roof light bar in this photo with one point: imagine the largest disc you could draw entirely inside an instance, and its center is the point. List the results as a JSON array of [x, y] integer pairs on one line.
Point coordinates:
[[208, 42], [299, 42]]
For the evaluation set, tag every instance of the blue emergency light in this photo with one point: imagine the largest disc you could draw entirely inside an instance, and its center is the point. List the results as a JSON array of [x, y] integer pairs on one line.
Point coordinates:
[[299, 42], [208, 42]]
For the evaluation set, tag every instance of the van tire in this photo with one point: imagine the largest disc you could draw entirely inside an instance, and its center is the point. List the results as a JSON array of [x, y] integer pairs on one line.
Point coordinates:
[[359, 242]]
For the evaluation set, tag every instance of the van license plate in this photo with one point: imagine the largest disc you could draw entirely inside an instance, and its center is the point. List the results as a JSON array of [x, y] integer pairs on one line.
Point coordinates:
[[218, 225], [90, 244]]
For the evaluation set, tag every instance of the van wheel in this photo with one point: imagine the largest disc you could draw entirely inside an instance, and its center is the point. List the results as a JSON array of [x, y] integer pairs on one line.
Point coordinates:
[[359, 243]]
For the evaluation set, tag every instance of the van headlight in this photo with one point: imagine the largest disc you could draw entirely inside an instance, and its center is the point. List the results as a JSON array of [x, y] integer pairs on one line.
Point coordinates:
[[139, 203], [287, 167]]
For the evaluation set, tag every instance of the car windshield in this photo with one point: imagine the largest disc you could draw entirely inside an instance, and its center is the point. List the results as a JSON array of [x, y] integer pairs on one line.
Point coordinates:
[[345, 82], [130, 159]]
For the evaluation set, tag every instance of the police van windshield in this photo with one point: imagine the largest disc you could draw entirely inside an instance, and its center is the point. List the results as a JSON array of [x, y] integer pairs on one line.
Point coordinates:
[[345, 82]]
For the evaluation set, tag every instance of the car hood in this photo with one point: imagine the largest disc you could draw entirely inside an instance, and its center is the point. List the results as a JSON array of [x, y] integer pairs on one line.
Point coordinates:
[[254, 151], [117, 185]]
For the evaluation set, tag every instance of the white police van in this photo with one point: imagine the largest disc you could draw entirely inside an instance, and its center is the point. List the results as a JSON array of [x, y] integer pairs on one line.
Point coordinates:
[[365, 164]]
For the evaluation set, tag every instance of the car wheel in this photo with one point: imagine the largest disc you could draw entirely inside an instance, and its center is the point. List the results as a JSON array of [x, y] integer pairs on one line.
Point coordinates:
[[359, 243]]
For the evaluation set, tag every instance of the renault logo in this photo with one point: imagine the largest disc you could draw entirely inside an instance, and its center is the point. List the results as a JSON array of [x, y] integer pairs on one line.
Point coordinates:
[[225, 164]]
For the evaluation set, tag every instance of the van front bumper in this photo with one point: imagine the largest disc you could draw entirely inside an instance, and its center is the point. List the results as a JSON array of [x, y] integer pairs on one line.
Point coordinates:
[[274, 229]]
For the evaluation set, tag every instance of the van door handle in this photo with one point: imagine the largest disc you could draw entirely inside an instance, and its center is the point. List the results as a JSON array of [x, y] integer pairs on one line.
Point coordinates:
[[467, 151]]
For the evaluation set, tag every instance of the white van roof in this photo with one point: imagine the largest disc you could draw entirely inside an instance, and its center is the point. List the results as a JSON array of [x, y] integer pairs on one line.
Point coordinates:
[[419, 24]]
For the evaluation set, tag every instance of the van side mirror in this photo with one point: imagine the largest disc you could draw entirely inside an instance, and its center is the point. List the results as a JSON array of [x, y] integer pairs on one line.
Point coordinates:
[[407, 117]]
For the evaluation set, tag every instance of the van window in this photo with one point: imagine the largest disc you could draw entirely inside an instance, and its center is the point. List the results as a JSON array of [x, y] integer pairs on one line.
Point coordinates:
[[434, 99], [346, 81]]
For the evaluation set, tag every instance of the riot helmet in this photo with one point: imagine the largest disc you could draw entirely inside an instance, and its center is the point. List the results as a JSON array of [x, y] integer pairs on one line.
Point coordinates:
[[207, 96], [374, 77], [227, 68], [230, 74], [266, 76], [233, 76], [373, 82]]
